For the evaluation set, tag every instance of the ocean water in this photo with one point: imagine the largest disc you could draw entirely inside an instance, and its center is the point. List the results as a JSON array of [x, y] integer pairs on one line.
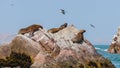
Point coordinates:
[[115, 58]]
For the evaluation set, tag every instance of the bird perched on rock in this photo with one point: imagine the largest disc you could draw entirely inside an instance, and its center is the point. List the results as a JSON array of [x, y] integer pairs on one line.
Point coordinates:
[[62, 11], [79, 38]]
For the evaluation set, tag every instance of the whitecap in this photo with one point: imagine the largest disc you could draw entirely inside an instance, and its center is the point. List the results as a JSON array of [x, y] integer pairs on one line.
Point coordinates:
[[97, 48], [105, 49]]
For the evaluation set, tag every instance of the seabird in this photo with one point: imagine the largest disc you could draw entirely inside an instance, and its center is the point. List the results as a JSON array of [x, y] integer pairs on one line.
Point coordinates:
[[92, 25], [12, 4], [62, 11]]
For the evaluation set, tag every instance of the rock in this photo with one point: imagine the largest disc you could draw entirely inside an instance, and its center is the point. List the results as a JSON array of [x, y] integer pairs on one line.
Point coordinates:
[[51, 50], [115, 44], [5, 51], [69, 54], [22, 44], [20, 51]]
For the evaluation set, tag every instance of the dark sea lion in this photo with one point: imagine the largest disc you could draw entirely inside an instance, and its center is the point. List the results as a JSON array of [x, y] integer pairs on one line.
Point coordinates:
[[63, 26], [31, 29], [79, 38]]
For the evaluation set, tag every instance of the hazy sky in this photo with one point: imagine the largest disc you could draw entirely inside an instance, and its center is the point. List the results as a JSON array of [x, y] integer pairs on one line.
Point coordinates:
[[103, 14]]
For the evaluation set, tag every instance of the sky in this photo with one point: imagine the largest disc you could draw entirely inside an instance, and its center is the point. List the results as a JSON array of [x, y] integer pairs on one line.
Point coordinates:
[[103, 14]]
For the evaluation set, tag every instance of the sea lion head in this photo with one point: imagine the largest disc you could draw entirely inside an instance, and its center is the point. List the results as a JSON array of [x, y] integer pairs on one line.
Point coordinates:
[[79, 38], [63, 26], [81, 31]]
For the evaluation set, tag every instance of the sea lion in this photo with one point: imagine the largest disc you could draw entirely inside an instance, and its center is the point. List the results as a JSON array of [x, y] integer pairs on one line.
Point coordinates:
[[63, 26], [54, 30], [79, 38], [23, 31], [30, 29]]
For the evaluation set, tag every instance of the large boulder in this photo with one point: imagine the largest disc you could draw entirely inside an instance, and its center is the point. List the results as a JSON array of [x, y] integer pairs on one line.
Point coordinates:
[[69, 55], [115, 44], [19, 52], [43, 49]]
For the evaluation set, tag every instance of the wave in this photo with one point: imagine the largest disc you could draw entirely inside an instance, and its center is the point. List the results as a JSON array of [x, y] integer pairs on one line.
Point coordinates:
[[101, 49], [115, 58], [105, 50], [97, 48], [117, 65]]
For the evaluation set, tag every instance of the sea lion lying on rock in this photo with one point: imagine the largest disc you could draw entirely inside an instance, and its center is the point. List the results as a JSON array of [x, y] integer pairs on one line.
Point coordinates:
[[79, 38], [54, 30], [30, 29]]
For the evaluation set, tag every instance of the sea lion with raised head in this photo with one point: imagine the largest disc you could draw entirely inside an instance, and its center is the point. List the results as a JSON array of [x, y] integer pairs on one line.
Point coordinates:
[[79, 38], [54, 30]]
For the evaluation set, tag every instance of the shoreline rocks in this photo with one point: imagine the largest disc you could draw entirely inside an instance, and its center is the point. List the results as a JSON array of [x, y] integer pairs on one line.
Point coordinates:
[[51, 50], [115, 44]]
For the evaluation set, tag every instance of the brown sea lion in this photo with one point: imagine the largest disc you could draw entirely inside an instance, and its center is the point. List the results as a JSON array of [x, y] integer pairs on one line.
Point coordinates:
[[79, 38], [23, 31], [54, 30], [31, 29]]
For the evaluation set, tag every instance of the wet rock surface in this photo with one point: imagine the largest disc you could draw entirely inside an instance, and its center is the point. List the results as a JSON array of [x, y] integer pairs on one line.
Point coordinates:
[[51, 50]]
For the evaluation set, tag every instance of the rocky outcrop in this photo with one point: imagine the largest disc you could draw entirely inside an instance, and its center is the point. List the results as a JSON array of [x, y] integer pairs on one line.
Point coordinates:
[[115, 44], [51, 50]]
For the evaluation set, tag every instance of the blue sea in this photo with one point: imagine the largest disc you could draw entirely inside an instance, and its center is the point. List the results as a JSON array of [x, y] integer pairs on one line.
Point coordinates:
[[115, 58]]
